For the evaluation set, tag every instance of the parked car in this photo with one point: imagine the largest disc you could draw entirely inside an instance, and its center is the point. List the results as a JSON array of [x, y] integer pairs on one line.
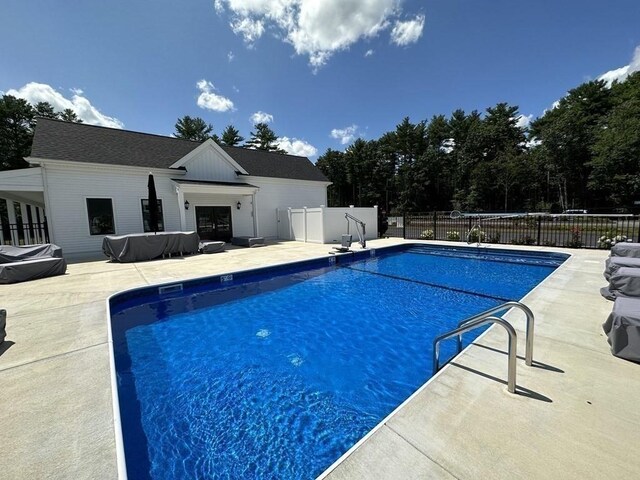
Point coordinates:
[[575, 211]]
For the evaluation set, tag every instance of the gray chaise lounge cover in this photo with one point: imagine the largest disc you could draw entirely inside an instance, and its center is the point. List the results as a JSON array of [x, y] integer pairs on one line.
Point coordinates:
[[13, 254], [623, 283], [19, 264], [626, 249], [248, 241], [147, 246], [623, 328], [211, 247], [613, 264]]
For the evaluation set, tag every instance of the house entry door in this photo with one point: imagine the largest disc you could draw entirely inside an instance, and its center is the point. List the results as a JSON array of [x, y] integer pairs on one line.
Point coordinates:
[[214, 223]]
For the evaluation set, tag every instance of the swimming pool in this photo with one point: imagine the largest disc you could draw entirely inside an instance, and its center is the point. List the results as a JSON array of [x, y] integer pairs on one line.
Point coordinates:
[[276, 373]]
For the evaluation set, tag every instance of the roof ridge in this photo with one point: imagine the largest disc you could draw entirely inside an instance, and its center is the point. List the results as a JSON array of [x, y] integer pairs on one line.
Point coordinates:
[[117, 129], [263, 151]]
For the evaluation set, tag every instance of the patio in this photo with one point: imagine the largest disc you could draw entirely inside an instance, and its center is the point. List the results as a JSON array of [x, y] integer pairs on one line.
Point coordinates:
[[57, 415]]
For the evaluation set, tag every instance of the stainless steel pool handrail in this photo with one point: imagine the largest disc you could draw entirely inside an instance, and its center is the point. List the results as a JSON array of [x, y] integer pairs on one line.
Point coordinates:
[[529, 332], [472, 324]]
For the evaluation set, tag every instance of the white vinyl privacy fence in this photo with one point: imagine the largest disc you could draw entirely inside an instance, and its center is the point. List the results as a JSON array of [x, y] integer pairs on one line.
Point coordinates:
[[325, 225]]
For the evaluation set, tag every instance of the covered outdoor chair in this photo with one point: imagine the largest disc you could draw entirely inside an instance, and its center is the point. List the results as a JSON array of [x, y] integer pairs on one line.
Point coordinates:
[[623, 328], [626, 249], [625, 282], [20, 264], [613, 264]]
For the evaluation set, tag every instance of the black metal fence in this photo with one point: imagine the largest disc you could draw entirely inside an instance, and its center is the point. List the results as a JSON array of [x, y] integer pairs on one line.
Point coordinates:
[[574, 231], [29, 233]]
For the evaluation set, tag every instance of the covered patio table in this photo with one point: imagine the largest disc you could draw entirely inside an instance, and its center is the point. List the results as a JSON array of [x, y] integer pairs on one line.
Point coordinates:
[[137, 247]]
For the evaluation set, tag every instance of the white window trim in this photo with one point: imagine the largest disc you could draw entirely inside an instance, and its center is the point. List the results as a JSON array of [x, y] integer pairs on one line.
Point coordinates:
[[86, 215], [142, 217]]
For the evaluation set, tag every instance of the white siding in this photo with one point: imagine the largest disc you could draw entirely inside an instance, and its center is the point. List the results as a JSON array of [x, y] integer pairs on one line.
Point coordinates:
[[24, 179], [277, 194], [68, 189], [210, 165]]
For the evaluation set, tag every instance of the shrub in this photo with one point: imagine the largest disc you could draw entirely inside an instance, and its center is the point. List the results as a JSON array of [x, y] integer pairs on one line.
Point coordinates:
[[475, 235], [427, 235], [453, 236], [494, 238], [526, 240], [576, 238], [609, 239], [548, 243]]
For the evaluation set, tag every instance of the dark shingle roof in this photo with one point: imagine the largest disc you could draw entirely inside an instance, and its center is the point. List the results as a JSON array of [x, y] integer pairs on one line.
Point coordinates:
[[75, 142], [268, 164]]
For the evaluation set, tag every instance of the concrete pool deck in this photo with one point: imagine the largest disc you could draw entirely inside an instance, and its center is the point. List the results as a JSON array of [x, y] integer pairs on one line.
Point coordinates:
[[576, 416]]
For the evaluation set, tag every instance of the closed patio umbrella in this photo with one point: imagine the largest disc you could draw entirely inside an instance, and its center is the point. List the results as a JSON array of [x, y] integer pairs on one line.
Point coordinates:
[[153, 205]]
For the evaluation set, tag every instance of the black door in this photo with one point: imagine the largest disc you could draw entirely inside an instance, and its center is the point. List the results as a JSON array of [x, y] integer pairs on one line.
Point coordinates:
[[214, 223]]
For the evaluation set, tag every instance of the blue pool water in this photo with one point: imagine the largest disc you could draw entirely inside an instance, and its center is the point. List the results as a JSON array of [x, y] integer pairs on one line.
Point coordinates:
[[277, 375]]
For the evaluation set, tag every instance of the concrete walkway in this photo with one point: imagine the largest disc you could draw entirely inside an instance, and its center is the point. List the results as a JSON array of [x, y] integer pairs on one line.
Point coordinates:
[[577, 418]]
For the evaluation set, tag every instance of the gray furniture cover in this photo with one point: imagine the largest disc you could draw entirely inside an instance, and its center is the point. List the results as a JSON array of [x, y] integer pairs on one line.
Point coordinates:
[[623, 328], [13, 254], [625, 282], [211, 247], [613, 264], [248, 241], [147, 246], [626, 249], [19, 264]]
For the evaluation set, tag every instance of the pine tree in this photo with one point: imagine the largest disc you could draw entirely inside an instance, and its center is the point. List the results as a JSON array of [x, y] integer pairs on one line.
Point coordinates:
[[263, 139], [193, 128], [231, 136]]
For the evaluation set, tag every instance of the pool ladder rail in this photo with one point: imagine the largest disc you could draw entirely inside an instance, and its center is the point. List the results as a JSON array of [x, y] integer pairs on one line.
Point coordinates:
[[484, 318]]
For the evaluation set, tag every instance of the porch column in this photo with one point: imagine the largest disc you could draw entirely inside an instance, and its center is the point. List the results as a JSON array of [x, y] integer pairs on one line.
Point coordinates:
[[13, 232], [254, 213], [183, 218]]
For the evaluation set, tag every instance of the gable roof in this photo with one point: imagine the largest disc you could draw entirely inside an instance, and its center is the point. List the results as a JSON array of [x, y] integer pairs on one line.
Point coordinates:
[[78, 142]]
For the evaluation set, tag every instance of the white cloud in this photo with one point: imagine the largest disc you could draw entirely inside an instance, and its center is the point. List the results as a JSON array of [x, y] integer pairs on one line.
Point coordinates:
[[230, 56], [345, 135], [250, 29], [318, 29], [523, 121], [621, 74], [293, 146], [41, 92], [212, 101], [368, 53], [404, 33], [261, 117]]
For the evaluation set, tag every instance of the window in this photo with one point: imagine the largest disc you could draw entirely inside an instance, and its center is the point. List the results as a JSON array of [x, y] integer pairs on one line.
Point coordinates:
[[145, 216], [101, 221]]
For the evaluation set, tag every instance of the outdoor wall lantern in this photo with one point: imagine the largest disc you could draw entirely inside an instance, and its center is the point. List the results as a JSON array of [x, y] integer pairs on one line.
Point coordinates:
[[186, 204], [238, 205]]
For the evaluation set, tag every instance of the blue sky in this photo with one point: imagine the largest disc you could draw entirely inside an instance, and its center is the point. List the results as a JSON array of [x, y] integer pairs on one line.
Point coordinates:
[[320, 72]]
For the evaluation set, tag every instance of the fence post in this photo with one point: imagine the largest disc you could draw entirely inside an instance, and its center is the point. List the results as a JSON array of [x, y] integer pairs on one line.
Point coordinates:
[[539, 227], [404, 225], [435, 224]]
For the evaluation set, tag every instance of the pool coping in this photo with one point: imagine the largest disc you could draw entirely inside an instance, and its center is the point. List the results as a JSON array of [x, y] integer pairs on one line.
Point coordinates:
[[353, 256]]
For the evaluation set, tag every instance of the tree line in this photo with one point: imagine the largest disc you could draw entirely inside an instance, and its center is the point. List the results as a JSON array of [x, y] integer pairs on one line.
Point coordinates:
[[195, 128], [18, 119], [583, 153]]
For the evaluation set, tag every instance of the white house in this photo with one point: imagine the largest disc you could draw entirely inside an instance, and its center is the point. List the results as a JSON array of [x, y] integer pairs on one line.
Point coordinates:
[[92, 181]]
